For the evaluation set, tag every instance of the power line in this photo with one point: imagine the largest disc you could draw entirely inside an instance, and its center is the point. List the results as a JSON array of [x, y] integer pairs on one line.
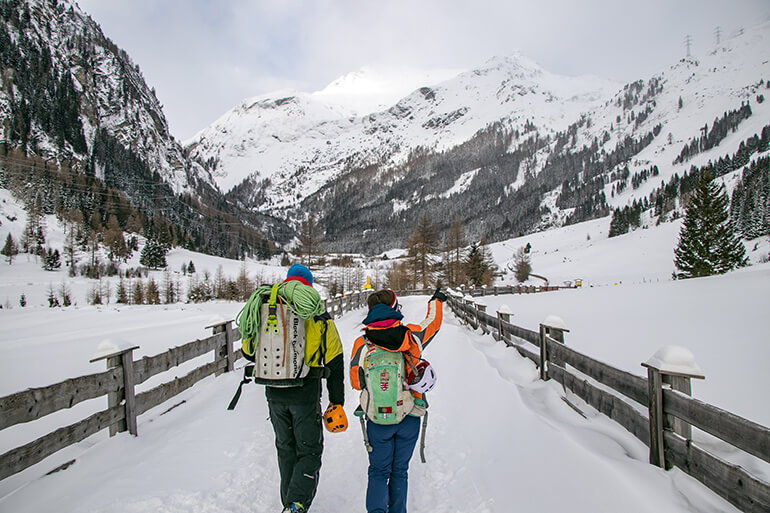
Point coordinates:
[[187, 214]]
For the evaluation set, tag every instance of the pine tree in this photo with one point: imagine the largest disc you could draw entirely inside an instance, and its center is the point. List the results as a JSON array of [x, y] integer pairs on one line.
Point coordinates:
[[153, 255], [51, 259], [121, 294], [479, 267], [707, 243], [66, 295], [152, 293], [137, 292], [10, 250], [53, 301]]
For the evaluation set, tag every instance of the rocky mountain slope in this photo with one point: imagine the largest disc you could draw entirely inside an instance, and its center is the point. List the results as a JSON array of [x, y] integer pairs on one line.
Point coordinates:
[[71, 99], [286, 147], [507, 148]]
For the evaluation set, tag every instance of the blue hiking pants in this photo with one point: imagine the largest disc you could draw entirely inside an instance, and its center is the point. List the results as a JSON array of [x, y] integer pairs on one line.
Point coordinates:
[[392, 448]]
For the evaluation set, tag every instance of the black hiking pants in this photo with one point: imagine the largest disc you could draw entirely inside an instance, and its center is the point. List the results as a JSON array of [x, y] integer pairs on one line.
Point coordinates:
[[299, 441]]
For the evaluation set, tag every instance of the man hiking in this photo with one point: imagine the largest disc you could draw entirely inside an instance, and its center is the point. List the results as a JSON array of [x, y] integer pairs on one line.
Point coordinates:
[[296, 345]]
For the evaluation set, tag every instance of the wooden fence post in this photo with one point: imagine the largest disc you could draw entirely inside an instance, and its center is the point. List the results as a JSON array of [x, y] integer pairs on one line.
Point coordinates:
[[555, 328], [226, 351], [503, 315], [122, 358], [480, 306], [655, 408], [673, 366], [467, 305], [543, 355]]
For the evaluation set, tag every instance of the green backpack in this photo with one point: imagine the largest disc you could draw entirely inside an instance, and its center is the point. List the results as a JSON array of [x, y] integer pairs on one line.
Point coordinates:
[[385, 399]]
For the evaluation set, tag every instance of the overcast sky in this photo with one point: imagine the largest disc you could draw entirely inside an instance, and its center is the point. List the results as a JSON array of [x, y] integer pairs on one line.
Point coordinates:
[[203, 57]]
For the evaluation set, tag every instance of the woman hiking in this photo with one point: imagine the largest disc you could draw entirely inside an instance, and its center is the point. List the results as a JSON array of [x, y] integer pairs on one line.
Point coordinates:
[[384, 358]]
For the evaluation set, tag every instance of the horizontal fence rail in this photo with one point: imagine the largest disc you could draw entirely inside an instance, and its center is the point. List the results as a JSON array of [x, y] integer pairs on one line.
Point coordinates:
[[670, 413]]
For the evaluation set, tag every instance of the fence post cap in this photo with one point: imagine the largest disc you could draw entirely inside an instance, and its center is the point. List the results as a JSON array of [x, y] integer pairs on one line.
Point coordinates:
[[504, 309], [675, 361], [216, 320], [110, 347], [468, 297], [480, 302], [554, 322]]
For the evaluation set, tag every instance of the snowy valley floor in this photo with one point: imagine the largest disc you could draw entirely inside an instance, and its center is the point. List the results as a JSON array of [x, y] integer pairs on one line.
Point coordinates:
[[498, 438]]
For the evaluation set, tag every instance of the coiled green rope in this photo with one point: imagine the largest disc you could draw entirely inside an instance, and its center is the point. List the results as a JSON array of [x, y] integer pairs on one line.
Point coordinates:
[[302, 300]]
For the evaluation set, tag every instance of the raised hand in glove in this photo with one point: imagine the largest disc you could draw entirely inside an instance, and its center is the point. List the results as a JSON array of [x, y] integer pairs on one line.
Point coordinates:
[[335, 419], [438, 295]]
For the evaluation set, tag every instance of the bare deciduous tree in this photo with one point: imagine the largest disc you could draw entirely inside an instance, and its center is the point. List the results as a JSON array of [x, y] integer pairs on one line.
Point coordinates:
[[422, 244]]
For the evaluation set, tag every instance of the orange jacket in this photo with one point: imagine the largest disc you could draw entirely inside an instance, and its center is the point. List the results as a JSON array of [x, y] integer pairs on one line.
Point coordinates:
[[411, 339]]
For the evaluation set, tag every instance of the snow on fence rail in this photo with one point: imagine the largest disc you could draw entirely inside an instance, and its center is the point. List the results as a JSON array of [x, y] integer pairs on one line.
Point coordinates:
[[118, 383], [666, 429]]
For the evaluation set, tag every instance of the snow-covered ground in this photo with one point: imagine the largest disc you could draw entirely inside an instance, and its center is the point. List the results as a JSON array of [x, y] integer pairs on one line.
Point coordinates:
[[498, 438]]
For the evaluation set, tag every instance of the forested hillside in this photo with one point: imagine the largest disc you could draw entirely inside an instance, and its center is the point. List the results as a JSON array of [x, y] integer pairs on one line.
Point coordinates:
[[80, 130]]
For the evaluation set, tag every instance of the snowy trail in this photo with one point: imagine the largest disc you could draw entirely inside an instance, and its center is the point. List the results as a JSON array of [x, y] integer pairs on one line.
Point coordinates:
[[498, 440]]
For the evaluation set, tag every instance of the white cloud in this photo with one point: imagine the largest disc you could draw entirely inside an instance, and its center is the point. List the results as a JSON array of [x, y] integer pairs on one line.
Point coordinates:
[[204, 57]]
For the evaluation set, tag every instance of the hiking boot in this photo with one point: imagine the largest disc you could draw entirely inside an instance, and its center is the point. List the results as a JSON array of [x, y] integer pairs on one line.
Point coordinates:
[[294, 507]]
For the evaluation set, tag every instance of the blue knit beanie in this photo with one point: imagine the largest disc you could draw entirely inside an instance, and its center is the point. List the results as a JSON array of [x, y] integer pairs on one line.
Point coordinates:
[[300, 271]]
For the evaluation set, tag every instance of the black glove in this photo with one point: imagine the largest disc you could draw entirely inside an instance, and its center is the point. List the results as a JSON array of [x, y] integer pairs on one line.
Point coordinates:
[[438, 295]]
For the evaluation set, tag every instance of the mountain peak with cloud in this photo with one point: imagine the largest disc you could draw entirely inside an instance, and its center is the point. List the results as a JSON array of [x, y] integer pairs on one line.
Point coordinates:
[[371, 89]]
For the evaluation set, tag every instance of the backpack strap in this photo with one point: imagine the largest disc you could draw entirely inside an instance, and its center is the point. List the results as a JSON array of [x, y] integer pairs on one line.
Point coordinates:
[[248, 371], [422, 436], [325, 317], [272, 319]]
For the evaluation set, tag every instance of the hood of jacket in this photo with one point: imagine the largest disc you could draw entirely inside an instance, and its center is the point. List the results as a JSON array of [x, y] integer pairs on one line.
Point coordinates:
[[393, 338], [382, 312]]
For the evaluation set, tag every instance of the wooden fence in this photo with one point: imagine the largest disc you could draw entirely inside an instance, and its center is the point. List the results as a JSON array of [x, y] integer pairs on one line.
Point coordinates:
[[665, 429], [119, 383], [664, 397]]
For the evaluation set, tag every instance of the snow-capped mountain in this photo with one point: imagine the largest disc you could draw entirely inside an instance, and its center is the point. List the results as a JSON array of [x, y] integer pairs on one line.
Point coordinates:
[[57, 40], [507, 148], [70, 99], [299, 142]]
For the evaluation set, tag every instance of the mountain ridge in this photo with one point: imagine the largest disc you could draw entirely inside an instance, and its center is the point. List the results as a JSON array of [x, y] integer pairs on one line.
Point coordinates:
[[427, 117], [508, 148]]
